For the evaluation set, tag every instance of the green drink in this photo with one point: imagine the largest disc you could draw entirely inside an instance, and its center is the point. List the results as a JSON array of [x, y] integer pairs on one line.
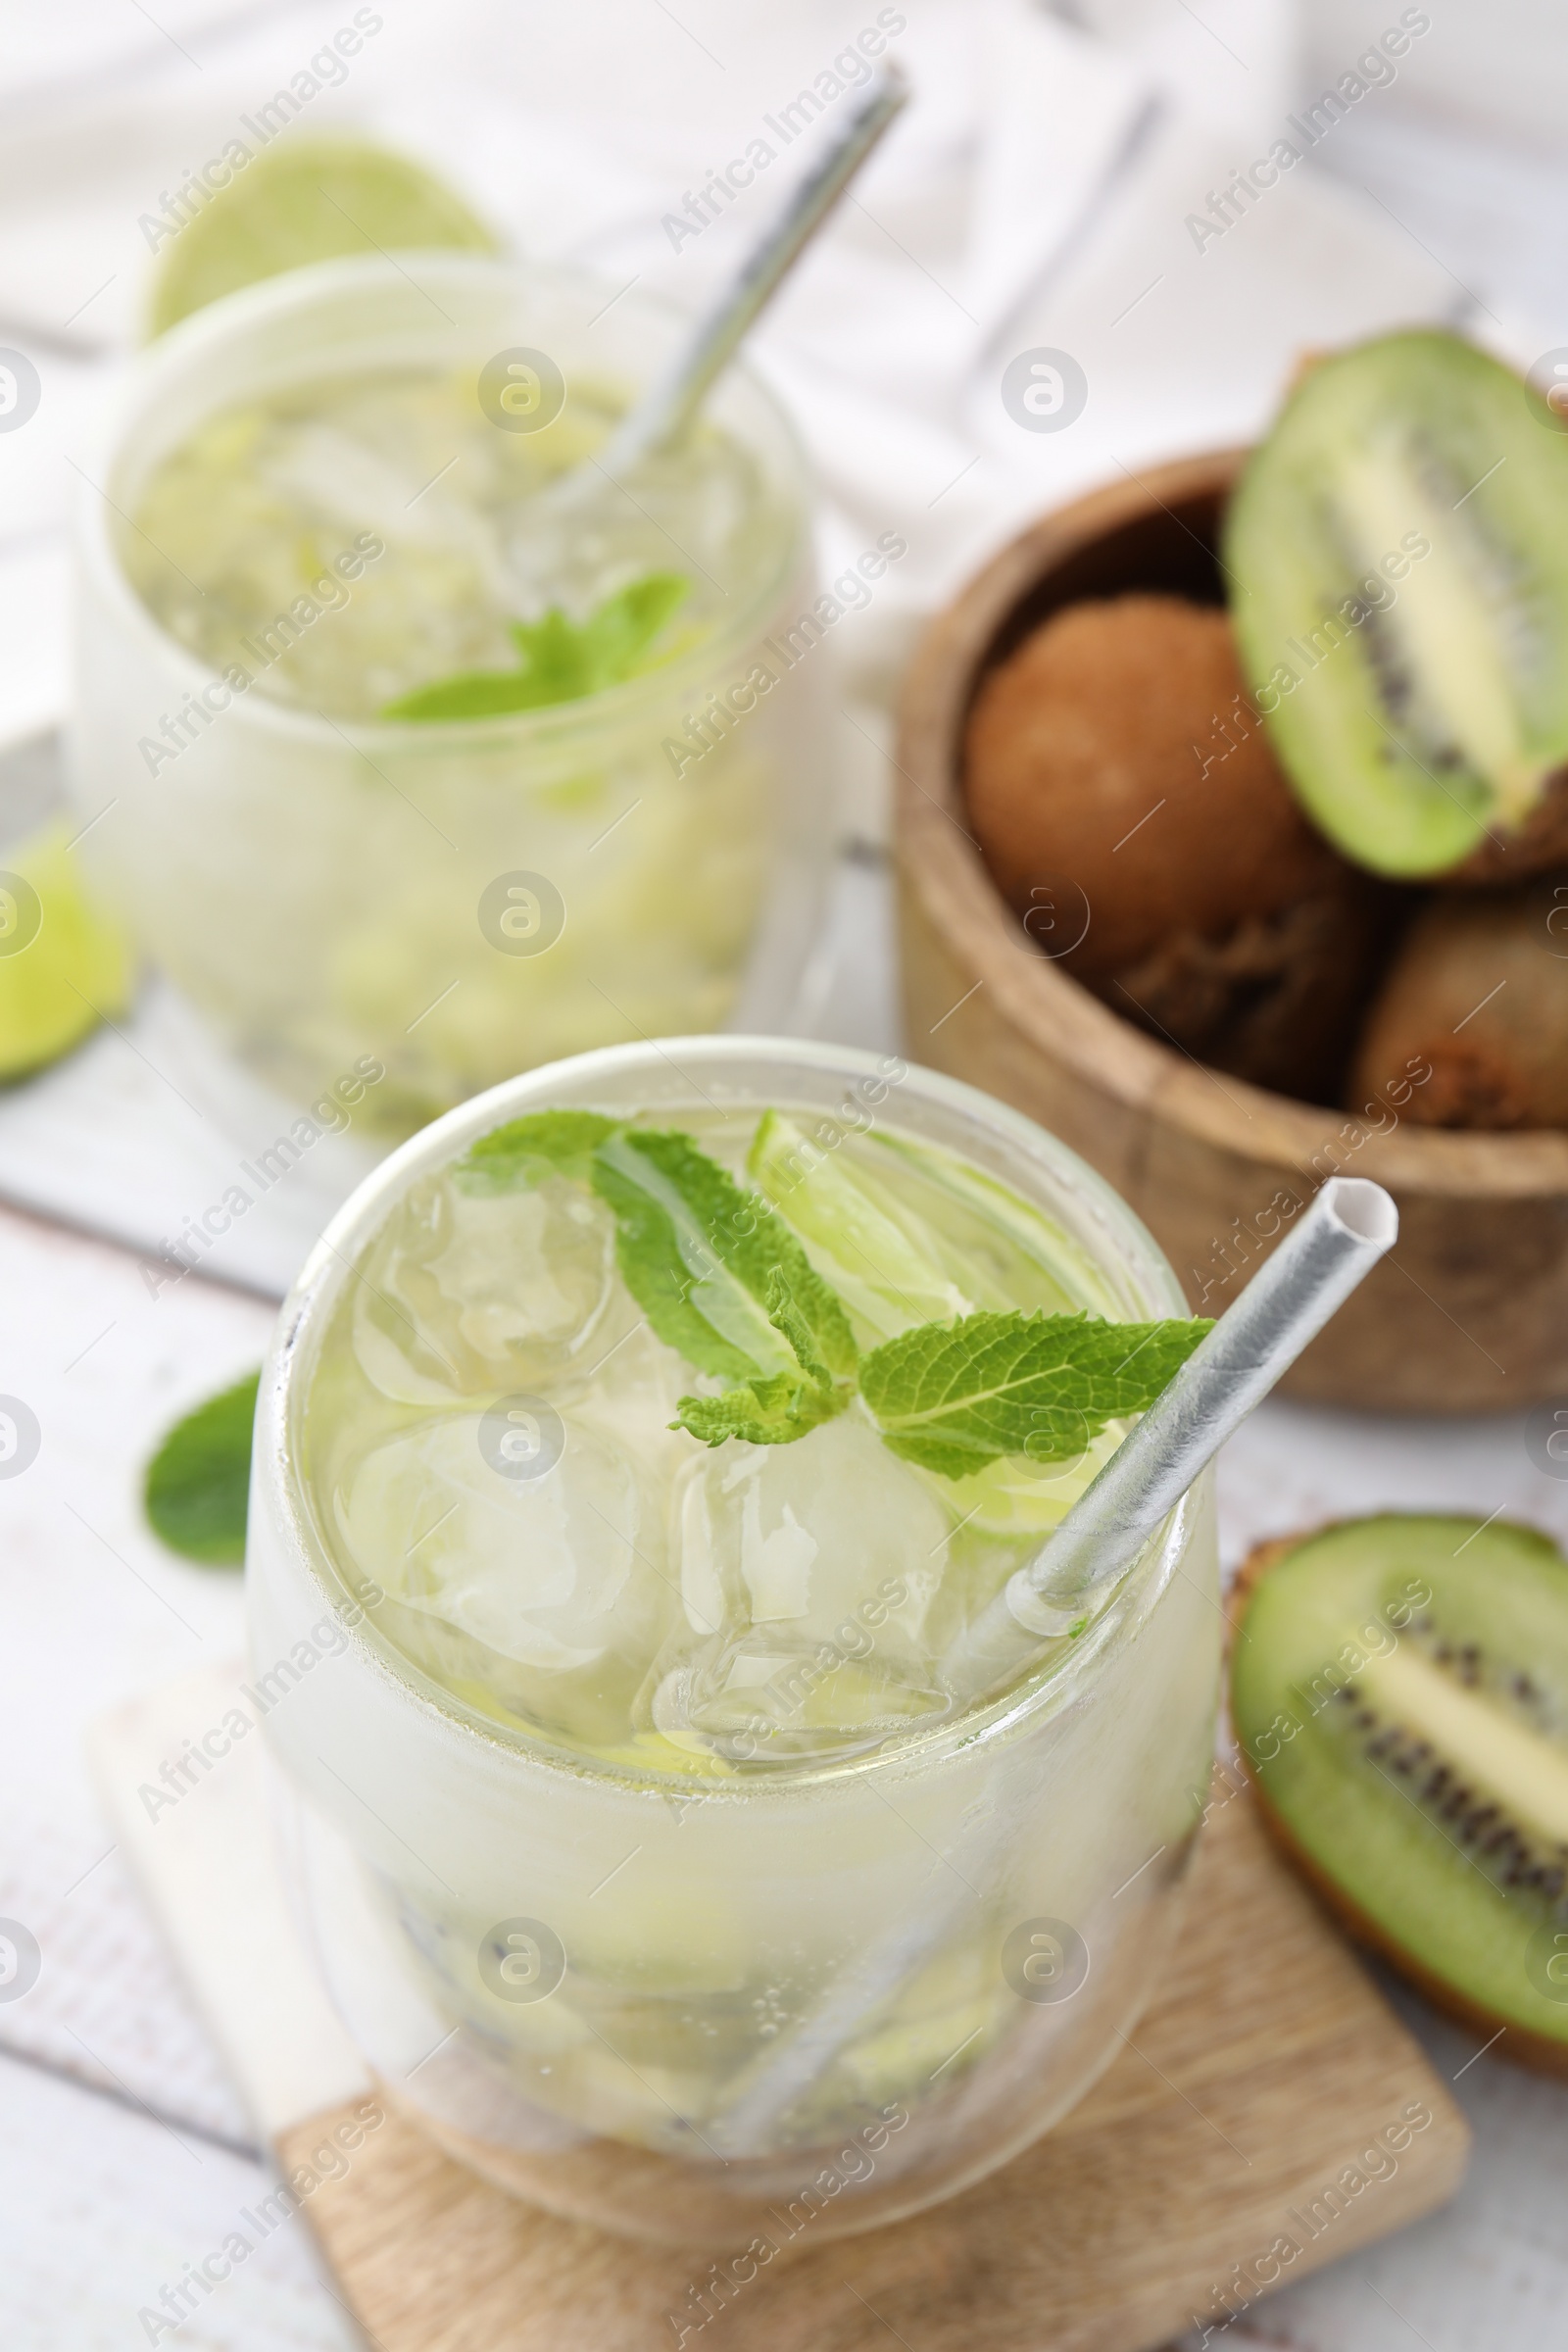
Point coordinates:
[[319, 505], [616, 1438], [243, 527]]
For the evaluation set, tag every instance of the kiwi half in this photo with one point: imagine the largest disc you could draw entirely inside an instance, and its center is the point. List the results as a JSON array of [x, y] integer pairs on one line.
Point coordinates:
[[1400, 1690], [1398, 551]]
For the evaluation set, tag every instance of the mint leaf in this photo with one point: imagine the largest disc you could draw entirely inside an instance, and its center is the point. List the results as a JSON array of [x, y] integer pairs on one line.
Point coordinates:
[[198, 1483], [514, 1158], [470, 694], [813, 1320], [954, 1396], [718, 1274], [776, 1411], [725, 1279], [765, 1412], [609, 645], [560, 659], [699, 1256], [678, 1216], [555, 657]]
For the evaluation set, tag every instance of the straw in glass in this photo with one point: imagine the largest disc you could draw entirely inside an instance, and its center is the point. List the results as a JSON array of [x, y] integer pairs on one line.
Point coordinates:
[[1350, 1226]]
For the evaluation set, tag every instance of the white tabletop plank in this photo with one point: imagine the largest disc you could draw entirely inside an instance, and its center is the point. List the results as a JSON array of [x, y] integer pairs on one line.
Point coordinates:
[[101, 2210], [95, 1611], [111, 2005]]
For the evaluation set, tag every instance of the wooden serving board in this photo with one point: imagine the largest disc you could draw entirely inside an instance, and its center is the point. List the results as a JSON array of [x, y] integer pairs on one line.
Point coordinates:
[[1249, 2132]]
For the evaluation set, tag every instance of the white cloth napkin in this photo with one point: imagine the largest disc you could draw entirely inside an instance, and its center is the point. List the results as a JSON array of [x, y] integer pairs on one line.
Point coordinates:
[[1036, 195]]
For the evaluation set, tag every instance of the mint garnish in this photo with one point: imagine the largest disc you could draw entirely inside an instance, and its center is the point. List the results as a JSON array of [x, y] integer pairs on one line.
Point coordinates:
[[955, 1396], [514, 1158], [560, 659], [776, 1411], [698, 1256], [198, 1482], [765, 1412], [724, 1279], [802, 1306]]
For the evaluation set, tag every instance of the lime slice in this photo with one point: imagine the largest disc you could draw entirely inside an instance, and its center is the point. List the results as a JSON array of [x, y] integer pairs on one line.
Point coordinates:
[[908, 1234], [1015, 1499], [62, 966], [1004, 1252], [308, 200], [876, 1263]]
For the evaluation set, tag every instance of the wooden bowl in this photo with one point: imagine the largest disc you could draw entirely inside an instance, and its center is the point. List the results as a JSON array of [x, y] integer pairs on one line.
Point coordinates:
[[1470, 1312]]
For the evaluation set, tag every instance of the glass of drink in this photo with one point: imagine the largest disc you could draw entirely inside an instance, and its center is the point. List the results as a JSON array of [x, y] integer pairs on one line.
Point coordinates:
[[313, 504], [656, 1853]]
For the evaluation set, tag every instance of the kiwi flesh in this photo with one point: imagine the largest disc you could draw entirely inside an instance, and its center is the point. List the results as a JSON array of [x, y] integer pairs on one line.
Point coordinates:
[[1477, 994], [1116, 750], [1400, 1692], [1397, 553]]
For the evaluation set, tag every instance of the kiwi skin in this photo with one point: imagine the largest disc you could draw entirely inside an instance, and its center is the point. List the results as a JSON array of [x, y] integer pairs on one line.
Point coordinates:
[[1536, 2052], [1274, 1002], [1105, 711], [1117, 746], [1479, 989], [1533, 847]]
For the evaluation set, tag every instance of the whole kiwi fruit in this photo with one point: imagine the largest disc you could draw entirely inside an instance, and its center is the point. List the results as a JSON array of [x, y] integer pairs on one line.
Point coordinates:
[[1479, 989], [1115, 751]]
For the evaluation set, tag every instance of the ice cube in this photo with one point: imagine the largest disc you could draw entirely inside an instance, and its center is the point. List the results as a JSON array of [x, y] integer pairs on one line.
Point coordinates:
[[340, 476], [807, 1573], [632, 1399], [550, 1557], [469, 1294]]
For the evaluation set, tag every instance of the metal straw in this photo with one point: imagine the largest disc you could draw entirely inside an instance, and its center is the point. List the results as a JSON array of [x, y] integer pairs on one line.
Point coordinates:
[[1285, 1305], [565, 505], [664, 412]]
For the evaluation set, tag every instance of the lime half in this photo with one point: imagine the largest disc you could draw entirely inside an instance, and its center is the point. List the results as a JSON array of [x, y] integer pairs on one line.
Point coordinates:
[[62, 965], [306, 200]]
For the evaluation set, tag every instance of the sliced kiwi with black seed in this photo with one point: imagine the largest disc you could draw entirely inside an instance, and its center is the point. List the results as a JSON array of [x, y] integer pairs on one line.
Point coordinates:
[[1397, 558], [1399, 1691]]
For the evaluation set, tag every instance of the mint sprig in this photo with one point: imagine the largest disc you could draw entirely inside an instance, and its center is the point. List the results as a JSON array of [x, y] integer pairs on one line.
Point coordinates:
[[723, 1278], [955, 1396], [558, 660]]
